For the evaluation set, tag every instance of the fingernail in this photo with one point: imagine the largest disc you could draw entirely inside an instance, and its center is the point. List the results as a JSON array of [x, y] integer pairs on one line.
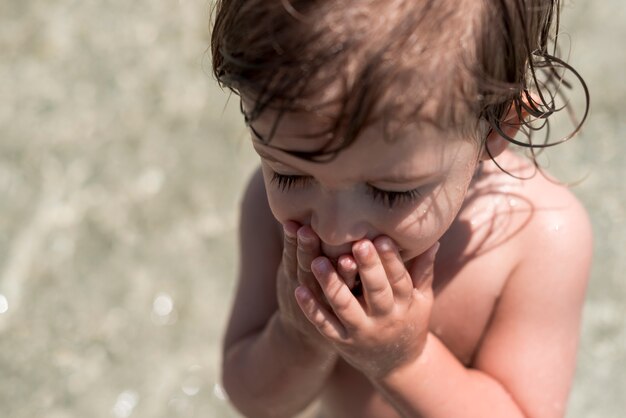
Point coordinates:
[[384, 244], [346, 263], [302, 293], [362, 248], [319, 265]]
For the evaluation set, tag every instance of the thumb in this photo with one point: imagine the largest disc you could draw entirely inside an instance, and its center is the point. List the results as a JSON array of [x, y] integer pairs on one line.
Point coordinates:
[[422, 269]]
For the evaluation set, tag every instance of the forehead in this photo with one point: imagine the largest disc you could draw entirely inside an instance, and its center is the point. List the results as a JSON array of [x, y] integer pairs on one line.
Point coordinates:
[[422, 150], [313, 131]]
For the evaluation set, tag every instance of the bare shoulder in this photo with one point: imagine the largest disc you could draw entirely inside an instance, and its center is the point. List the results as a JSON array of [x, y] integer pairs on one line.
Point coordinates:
[[527, 220], [260, 246], [559, 230], [530, 344]]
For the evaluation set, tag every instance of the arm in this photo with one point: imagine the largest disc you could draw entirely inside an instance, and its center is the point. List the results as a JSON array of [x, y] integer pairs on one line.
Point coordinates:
[[269, 370], [525, 364], [437, 384], [272, 374]]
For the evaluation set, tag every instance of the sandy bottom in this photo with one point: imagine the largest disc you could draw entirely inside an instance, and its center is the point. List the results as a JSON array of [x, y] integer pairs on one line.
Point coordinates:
[[121, 166]]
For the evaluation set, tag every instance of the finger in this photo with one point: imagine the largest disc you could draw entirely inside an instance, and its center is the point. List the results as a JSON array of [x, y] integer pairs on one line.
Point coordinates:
[[397, 274], [422, 269], [325, 322], [290, 245], [345, 306], [376, 290], [347, 269], [308, 249]]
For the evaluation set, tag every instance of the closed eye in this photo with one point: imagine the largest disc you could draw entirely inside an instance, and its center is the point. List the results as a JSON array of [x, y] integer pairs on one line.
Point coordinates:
[[286, 182], [390, 198]]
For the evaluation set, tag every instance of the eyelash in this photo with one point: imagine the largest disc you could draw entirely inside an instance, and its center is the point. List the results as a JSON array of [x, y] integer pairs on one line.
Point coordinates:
[[389, 198]]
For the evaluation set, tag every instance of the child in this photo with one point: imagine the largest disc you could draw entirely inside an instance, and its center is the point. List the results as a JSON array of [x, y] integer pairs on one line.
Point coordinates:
[[397, 259]]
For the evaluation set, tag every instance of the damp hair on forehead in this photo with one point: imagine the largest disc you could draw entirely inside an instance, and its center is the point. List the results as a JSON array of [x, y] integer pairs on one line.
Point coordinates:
[[456, 65]]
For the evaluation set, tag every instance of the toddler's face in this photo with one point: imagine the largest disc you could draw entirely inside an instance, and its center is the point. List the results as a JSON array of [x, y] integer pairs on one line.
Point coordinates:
[[409, 189]]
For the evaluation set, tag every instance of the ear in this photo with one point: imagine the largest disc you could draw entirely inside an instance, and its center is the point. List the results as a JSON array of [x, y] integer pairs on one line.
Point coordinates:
[[495, 142]]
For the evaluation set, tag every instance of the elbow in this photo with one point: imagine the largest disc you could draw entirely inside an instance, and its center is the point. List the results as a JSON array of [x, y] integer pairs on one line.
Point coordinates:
[[243, 402], [247, 403], [234, 389]]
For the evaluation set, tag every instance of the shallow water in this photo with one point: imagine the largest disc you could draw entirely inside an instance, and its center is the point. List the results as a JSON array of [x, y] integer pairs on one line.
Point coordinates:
[[121, 165]]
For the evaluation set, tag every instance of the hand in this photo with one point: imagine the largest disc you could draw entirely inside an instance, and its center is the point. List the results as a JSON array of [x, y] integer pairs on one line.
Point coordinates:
[[387, 327], [300, 247]]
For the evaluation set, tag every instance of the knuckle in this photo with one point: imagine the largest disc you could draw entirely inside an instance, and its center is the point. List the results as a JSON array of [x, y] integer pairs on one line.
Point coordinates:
[[398, 278], [376, 293], [367, 269], [331, 288], [342, 304], [288, 260], [304, 265], [290, 241], [305, 244], [392, 259], [287, 248], [304, 257]]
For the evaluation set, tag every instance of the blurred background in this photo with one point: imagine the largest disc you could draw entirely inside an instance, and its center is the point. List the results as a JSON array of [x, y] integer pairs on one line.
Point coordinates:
[[121, 168]]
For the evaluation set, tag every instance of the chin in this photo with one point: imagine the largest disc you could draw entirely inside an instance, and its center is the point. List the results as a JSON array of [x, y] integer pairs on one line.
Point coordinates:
[[409, 255], [406, 255]]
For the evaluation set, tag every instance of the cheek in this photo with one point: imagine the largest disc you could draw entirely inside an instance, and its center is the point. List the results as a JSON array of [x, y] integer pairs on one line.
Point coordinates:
[[419, 229], [416, 233], [284, 206], [287, 206]]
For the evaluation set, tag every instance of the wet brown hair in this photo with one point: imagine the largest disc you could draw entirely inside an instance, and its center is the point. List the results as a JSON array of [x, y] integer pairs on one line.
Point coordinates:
[[461, 64]]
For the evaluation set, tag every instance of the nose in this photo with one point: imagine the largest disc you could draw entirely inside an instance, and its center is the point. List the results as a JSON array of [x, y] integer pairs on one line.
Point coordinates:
[[338, 222]]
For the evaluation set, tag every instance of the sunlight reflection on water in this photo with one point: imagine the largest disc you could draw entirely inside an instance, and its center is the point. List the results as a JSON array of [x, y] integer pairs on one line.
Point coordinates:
[[125, 404], [4, 304]]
